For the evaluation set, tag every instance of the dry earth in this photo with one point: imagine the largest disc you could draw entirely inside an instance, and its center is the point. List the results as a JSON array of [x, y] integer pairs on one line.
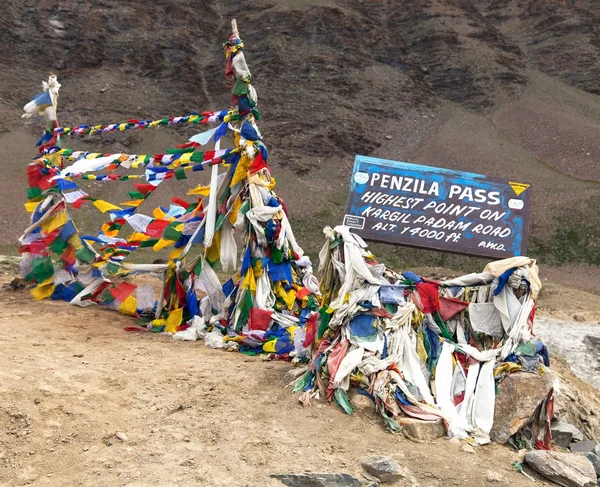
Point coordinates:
[[72, 377]]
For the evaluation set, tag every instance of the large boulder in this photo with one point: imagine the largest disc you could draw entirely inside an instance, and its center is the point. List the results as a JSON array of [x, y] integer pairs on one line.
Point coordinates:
[[565, 469], [518, 396]]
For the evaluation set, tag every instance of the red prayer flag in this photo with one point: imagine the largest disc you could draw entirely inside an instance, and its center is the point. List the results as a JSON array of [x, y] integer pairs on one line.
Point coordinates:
[[259, 319]]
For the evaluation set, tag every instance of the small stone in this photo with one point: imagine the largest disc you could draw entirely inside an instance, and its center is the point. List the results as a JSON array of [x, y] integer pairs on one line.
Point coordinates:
[[388, 137], [361, 402], [579, 317], [386, 469], [154, 430], [318, 480], [563, 468], [595, 461], [562, 438], [109, 443], [468, 449], [583, 446], [86, 448], [121, 436], [454, 441], [597, 450], [17, 283], [492, 476], [36, 400], [562, 426], [422, 430]]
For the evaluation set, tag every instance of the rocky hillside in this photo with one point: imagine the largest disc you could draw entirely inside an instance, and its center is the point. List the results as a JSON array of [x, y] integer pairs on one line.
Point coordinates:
[[504, 87]]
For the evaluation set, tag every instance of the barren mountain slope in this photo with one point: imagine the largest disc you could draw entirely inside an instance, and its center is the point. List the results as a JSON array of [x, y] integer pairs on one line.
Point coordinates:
[[508, 88]]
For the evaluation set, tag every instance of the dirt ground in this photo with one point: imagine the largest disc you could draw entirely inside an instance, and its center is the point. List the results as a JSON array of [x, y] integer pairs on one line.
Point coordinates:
[[72, 378]]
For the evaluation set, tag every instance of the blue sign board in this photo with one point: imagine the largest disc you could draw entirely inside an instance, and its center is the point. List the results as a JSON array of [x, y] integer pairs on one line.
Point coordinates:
[[441, 209]]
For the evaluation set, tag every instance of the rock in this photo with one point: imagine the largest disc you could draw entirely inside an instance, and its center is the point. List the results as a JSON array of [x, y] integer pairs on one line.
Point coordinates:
[[492, 476], [583, 446], [121, 436], [386, 469], [579, 317], [597, 450], [562, 438], [16, 284], [468, 449], [561, 430], [361, 402], [318, 480], [594, 460], [423, 430], [388, 137], [564, 469], [518, 396]]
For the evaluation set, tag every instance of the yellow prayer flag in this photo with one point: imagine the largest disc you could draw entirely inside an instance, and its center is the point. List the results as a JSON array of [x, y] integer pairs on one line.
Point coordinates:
[[105, 206], [54, 222], [235, 210], [174, 320], [288, 296], [213, 253], [199, 190], [176, 253], [30, 206], [269, 347], [161, 244], [241, 171], [128, 306], [134, 203], [139, 160], [249, 280], [43, 290], [138, 237]]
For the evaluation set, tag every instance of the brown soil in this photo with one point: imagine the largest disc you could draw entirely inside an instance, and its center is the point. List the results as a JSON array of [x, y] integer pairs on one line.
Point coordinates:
[[192, 415]]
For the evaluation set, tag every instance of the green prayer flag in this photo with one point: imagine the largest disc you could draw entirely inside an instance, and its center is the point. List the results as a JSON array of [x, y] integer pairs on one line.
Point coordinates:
[[136, 195], [34, 193], [170, 233], [240, 88], [41, 269], [84, 254], [58, 246]]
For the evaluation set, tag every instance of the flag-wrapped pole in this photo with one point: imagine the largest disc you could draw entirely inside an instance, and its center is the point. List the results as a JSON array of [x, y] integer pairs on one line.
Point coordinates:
[[211, 211]]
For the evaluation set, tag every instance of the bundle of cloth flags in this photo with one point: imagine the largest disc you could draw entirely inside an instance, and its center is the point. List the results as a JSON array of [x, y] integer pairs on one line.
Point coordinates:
[[418, 347], [272, 298], [271, 302]]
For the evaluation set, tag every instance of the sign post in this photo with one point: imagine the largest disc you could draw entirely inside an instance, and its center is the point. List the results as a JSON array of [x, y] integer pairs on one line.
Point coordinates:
[[440, 209]]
